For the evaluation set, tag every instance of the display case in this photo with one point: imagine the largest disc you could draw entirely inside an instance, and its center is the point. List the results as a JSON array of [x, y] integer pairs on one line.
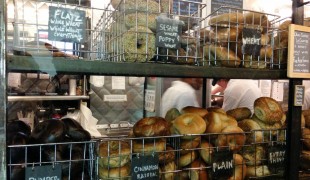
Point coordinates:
[[27, 54]]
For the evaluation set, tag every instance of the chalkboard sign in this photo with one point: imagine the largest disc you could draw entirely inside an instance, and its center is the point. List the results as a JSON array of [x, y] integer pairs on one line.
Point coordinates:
[[189, 7], [222, 164], [299, 95], [168, 32], [145, 167], [298, 52], [216, 4], [251, 41], [52, 172], [277, 157], [67, 25]]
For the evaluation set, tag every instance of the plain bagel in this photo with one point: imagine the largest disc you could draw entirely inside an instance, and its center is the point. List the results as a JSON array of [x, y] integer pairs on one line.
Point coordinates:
[[218, 121], [239, 168], [240, 113], [188, 123], [197, 110], [232, 137]]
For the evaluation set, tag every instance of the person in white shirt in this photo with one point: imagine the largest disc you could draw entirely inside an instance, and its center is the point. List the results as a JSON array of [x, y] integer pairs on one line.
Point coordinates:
[[182, 93], [238, 93]]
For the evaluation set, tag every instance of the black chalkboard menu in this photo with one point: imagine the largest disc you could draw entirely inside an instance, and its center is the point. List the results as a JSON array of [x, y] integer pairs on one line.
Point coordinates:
[[66, 25], [145, 167], [298, 52], [222, 164], [188, 7], [277, 157], [251, 39], [168, 32], [43, 172], [216, 4]]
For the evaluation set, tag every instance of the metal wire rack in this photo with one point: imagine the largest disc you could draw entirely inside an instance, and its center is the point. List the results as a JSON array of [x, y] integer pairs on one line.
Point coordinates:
[[234, 37], [52, 28], [76, 159], [130, 31], [195, 156]]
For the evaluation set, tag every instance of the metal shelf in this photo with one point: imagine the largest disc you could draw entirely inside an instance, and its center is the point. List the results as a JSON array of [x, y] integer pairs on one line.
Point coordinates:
[[46, 98], [86, 67]]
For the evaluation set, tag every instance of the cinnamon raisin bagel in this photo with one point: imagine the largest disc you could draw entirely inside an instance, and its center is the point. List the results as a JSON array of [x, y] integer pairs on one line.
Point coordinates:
[[151, 127]]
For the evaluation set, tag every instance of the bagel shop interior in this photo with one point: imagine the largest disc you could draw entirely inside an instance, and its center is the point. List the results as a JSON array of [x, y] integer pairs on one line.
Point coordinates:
[[128, 89]]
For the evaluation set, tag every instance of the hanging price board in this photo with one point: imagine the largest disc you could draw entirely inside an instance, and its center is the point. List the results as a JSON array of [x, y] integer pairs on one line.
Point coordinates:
[[298, 52]]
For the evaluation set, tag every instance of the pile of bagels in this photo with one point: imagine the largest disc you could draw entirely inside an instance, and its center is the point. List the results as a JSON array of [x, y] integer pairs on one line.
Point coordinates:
[[186, 140], [133, 32]]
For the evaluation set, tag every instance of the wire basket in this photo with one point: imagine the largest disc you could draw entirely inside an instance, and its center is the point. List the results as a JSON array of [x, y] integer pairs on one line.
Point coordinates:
[[196, 155], [132, 31], [49, 28], [234, 37], [76, 159]]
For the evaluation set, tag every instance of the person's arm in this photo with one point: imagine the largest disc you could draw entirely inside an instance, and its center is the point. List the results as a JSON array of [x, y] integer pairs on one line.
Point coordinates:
[[217, 89]]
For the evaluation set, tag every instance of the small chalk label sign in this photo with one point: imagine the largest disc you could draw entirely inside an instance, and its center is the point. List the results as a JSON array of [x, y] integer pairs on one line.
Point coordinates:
[[222, 164], [48, 172], [145, 167], [251, 41], [168, 32], [299, 95], [66, 25], [277, 157]]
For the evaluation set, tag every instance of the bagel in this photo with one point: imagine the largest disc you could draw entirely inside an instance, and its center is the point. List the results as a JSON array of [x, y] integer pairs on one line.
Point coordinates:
[[166, 156], [258, 20], [305, 160], [202, 112], [306, 114], [171, 114], [151, 127], [221, 56], [115, 173], [253, 155], [240, 113], [306, 138], [229, 34], [218, 121], [132, 6], [188, 123], [226, 19], [139, 44], [216, 109], [114, 154], [268, 130], [198, 170], [189, 144], [231, 136], [188, 158], [268, 110], [206, 150], [257, 171], [158, 145], [167, 171], [252, 129], [141, 19], [239, 172]]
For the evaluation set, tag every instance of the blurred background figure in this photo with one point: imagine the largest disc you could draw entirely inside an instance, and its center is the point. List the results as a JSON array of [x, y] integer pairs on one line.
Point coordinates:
[[180, 94], [238, 93]]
